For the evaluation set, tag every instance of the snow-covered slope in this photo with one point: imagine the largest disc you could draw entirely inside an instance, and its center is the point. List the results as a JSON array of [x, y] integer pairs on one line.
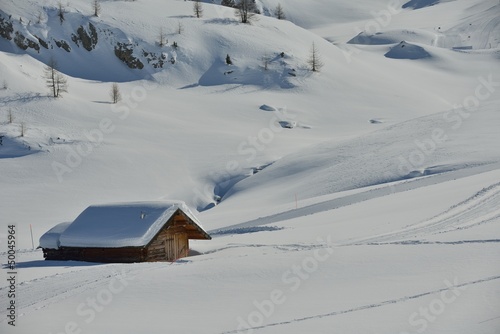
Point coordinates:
[[351, 198]]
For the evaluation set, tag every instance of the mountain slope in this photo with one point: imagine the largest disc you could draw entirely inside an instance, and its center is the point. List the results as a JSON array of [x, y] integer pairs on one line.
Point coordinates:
[[352, 199]]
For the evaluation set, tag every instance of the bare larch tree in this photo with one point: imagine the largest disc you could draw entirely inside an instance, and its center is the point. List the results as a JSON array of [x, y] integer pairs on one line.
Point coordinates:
[[96, 7], [60, 11], [161, 37], [315, 63], [245, 10], [55, 80], [198, 9], [115, 93], [279, 12]]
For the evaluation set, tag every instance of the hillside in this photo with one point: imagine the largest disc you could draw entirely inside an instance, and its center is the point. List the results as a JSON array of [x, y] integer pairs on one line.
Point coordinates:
[[385, 162]]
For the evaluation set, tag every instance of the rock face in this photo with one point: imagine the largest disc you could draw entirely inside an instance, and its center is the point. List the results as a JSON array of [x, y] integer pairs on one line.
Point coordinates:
[[124, 52], [153, 59], [25, 43], [87, 39], [63, 44], [6, 28], [86, 36], [42, 42]]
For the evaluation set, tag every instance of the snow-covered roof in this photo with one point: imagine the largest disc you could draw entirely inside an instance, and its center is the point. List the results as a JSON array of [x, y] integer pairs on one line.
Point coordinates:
[[51, 238], [116, 225]]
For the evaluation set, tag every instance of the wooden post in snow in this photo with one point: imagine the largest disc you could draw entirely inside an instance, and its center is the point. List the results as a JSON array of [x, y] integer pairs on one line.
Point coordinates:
[[32, 243]]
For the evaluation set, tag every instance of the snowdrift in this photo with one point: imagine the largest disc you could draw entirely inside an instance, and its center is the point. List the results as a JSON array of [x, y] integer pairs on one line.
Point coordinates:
[[406, 50]]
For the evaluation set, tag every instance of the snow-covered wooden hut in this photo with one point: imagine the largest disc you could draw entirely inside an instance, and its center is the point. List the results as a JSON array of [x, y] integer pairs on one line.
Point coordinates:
[[125, 232]]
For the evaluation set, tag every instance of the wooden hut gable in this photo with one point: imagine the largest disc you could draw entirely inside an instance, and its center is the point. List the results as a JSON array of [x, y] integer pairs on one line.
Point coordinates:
[[123, 225]]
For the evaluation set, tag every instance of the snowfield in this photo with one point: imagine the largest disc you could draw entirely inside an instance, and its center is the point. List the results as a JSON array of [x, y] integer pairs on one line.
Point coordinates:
[[363, 198]]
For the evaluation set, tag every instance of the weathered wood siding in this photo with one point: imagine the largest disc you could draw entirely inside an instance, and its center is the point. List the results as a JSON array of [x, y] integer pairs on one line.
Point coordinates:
[[125, 254], [168, 245]]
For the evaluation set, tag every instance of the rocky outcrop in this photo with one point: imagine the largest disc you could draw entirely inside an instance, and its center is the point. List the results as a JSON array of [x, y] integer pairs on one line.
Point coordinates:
[[63, 44], [86, 35], [153, 59], [124, 52], [88, 39], [42, 42], [6, 28], [25, 43]]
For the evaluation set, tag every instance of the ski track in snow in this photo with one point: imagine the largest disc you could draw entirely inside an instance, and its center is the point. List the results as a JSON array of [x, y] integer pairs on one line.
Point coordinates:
[[481, 208], [369, 306], [279, 247], [419, 242], [472, 208], [45, 291]]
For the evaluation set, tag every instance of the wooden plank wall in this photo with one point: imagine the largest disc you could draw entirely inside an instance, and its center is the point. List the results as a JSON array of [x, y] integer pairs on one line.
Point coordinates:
[[169, 245], [125, 254]]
